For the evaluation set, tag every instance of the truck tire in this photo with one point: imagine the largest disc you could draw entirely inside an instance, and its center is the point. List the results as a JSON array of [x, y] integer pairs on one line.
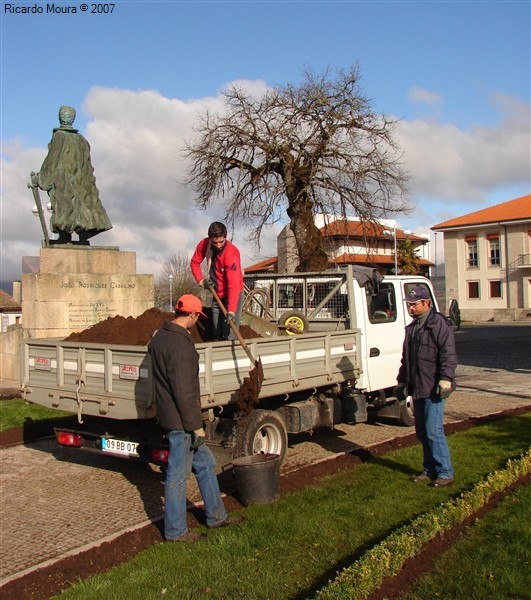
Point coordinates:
[[295, 322], [406, 416], [260, 432]]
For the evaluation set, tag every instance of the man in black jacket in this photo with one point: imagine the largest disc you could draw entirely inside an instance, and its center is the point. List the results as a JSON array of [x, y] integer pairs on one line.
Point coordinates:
[[427, 373], [175, 364]]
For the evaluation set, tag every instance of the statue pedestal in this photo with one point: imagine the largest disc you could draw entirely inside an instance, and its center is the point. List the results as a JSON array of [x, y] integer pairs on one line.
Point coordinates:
[[79, 286]]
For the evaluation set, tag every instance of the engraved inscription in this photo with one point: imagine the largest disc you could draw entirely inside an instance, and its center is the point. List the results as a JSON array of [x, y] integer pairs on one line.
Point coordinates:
[[83, 315]]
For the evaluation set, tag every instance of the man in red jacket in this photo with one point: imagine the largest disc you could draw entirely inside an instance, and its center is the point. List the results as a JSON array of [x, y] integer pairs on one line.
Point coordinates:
[[224, 274]]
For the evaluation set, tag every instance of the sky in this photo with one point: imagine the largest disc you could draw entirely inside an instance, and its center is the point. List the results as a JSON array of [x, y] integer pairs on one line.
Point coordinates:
[[457, 75]]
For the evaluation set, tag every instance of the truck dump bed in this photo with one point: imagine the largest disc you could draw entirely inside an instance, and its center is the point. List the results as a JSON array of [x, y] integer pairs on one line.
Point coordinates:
[[115, 381]]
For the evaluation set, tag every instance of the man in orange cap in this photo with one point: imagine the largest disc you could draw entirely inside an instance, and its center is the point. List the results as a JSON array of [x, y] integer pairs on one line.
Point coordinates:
[[175, 363]]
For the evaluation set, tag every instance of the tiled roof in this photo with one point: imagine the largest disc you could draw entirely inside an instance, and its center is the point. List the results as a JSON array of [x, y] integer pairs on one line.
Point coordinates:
[[380, 259], [265, 265], [359, 259], [356, 229], [7, 302], [512, 210]]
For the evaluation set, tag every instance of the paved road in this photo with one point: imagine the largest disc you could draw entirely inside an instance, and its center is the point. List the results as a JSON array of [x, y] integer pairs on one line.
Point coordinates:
[[56, 501], [495, 346]]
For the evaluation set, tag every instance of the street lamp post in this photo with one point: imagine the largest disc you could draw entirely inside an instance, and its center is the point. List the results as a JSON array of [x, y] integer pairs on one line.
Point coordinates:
[[393, 233], [170, 277], [435, 258], [394, 238]]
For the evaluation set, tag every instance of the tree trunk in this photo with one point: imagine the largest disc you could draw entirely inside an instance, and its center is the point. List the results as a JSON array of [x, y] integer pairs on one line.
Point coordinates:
[[308, 238]]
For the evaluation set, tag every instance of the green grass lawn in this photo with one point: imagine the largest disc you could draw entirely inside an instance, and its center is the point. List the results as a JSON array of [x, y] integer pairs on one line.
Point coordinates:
[[17, 413], [292, 548], [490, 562]]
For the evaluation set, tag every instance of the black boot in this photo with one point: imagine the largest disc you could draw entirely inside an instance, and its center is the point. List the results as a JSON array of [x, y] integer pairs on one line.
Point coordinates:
[[65, 237]]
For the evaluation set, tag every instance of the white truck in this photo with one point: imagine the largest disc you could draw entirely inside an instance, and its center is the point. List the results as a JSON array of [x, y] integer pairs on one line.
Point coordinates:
[[342, 365]]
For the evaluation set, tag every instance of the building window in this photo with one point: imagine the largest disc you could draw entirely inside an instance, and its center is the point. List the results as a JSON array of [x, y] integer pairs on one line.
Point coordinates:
[[473, 261], [473, 290], [495, 289], [494, 250]]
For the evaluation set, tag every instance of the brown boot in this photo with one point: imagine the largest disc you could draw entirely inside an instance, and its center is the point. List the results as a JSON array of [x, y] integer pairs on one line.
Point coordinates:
[[441, 482]]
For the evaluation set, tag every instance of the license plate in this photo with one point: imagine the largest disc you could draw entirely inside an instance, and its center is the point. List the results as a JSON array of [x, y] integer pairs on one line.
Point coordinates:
[[122, 447]]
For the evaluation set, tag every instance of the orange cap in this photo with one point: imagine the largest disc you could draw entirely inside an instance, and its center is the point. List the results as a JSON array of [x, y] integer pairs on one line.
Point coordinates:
[[189, 304]]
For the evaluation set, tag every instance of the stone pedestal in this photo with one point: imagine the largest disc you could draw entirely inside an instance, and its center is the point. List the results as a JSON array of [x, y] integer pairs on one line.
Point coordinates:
[[79, 286]]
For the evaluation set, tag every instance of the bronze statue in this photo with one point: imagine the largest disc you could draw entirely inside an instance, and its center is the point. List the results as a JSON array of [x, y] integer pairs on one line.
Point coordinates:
[[68, 177]]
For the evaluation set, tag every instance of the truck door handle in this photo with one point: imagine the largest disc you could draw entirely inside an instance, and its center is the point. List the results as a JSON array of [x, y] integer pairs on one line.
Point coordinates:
[[374, 352]]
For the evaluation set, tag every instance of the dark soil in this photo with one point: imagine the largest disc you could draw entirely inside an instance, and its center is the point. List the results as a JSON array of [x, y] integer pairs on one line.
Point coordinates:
[[138, 331], [50, 581]]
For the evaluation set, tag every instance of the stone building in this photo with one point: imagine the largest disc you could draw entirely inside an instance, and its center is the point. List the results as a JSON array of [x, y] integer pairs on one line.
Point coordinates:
[[349, 242], [488, 261]]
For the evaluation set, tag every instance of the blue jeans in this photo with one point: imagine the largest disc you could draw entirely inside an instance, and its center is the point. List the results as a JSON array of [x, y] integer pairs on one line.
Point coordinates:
[[222, 330], [430, 432], [181, 461]]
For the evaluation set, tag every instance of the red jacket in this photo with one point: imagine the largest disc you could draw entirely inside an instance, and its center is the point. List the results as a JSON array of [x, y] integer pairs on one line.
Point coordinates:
[[229, 274]]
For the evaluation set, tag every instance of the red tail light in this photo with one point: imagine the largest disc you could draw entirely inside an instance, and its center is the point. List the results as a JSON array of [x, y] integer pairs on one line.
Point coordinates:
[[160, 454], [67, 438]]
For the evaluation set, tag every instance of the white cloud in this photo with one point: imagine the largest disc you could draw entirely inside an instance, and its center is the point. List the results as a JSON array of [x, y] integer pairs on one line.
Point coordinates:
[[454, 165], [135, 138], [422, 96]]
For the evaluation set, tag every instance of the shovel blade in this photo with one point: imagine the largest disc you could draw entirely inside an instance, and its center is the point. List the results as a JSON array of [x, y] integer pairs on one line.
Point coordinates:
[[250, 387]]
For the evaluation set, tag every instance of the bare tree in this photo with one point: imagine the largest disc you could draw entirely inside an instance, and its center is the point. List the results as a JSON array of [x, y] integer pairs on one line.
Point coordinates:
[[317, 148], [181, 282]]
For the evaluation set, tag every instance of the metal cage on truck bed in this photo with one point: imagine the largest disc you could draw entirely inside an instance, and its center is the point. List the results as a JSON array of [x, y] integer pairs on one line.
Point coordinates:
[[309, 301]]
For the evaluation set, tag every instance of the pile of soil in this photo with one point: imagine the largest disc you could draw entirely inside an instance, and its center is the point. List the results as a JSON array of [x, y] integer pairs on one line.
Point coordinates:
[[138, 331]]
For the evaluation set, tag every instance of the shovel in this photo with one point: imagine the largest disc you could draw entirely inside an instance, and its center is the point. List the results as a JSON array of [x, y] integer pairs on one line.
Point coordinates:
[[251, 385]]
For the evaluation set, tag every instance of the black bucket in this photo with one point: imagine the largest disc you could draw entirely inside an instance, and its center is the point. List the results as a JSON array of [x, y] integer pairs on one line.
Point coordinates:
[[257, 478]]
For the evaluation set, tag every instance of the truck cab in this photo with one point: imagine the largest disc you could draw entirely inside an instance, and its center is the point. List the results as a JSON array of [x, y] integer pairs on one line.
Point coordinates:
[[385, 315], [350, 298]]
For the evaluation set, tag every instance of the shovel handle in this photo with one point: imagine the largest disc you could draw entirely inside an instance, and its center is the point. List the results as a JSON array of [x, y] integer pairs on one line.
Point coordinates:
[[233, 327]]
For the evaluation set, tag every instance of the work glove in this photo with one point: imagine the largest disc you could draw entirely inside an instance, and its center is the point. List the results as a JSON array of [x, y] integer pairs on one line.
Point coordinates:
[[444, 389], [207, 283], [230, 316], [399, 392], [198, 438]]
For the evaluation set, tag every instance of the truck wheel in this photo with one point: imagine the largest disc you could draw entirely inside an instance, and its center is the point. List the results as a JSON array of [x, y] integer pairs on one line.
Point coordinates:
[[406, 416], [295, 322], [261, 432]]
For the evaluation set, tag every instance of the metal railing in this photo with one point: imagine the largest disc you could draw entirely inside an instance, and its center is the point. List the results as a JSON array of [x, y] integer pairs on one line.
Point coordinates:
[[523, 261]]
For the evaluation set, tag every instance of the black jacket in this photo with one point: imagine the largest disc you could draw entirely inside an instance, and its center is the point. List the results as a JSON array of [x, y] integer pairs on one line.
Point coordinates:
[[435, 357], [175, 366]]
